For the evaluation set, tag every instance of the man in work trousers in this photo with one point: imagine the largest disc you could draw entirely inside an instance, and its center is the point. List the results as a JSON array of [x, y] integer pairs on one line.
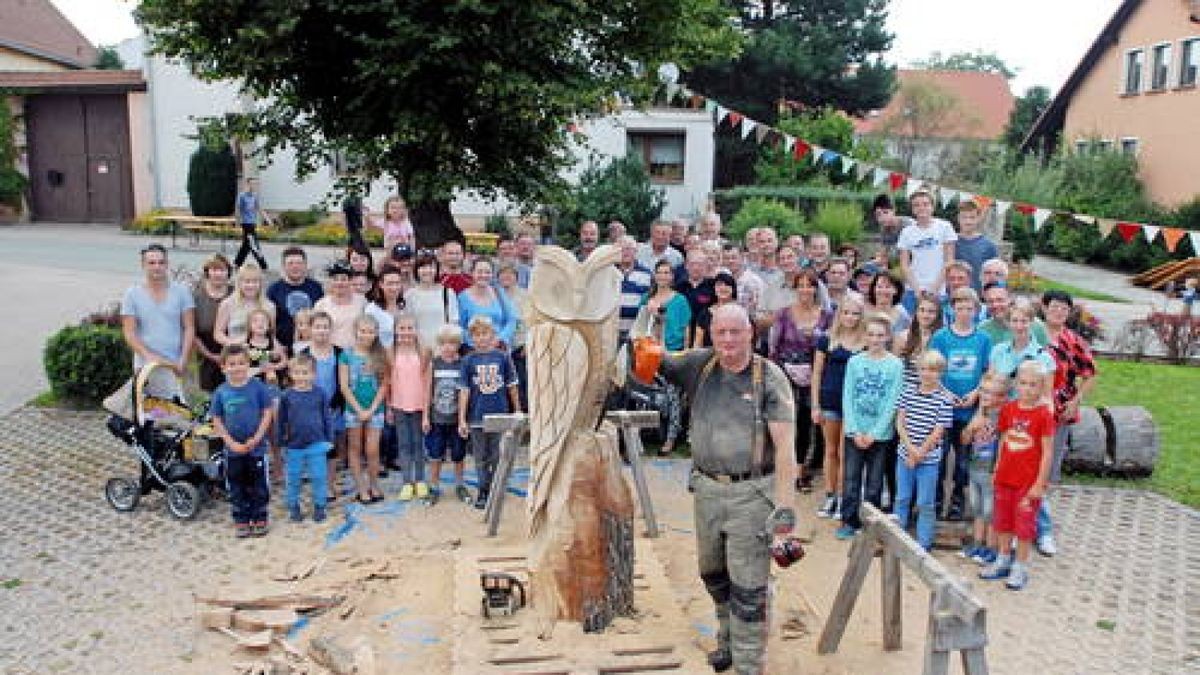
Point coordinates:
[[743, 422]]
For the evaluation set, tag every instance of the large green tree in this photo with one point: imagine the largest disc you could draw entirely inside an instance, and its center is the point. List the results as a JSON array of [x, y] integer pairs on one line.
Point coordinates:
[[815, 53], [439, 95]]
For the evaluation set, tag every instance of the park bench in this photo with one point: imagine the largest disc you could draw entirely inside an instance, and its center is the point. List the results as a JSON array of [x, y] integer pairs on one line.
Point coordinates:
[[224, 227]]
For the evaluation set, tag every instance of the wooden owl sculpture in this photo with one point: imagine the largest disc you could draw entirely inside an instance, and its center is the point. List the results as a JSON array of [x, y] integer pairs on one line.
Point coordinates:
[[580, 507]]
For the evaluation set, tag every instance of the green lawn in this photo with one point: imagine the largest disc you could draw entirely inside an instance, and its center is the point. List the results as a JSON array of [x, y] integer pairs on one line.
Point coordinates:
[[1168, 392], [1042, 285]]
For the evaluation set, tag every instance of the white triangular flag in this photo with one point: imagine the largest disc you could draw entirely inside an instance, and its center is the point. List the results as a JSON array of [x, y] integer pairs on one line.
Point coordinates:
[[965, 197], [948, 196], [1151, 231], [747, 127], [722, 113], [912, 186], [863, 169], [1039, 218], [815, 153], [789, 142], [881, 177], [1195, 237], [847, 164], [1002, 208]]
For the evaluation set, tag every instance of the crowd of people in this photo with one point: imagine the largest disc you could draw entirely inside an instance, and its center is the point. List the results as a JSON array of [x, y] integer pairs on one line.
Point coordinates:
[[910, 392]]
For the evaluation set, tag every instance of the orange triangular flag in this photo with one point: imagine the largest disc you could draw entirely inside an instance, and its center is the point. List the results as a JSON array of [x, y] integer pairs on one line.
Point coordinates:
[[1172, 236]]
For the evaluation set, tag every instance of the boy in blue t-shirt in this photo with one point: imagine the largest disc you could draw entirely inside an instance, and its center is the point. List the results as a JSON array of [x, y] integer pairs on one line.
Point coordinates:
[[242, 411], [307, 434], [967, 351], [486, 373]]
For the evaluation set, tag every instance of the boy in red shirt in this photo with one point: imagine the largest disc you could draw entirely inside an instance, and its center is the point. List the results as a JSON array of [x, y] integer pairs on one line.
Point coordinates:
[[1026, 429]]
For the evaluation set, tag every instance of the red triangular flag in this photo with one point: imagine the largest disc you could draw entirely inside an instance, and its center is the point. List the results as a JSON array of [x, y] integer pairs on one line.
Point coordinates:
[[1172, 236], [897, 180], [1128, 231], [735, 119], [800, 149], [1025, 209]]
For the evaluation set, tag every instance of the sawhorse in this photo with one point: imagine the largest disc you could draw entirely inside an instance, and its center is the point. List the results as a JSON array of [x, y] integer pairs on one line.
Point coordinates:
[[631, 422], [510, 426]]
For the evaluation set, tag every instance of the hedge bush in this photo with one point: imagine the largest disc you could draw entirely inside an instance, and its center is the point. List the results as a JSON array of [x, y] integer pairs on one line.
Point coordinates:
[[87, 363], [212, 180], [842, 221], [761, 212]]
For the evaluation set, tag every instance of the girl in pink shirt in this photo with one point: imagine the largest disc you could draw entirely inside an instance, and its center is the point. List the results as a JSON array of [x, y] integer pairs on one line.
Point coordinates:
[[397, 228], [408, 399]]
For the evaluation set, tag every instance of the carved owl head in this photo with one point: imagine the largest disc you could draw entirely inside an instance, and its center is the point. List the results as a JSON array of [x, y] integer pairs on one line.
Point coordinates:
[[566, 290]]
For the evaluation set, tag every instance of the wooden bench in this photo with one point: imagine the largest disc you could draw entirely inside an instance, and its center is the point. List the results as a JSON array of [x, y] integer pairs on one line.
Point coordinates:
[[197, 225]]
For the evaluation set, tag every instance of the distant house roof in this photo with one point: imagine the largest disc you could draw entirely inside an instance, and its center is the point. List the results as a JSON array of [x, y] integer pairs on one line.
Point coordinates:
[[62, 81], [37, 28], [986, 97], [1051, 121]]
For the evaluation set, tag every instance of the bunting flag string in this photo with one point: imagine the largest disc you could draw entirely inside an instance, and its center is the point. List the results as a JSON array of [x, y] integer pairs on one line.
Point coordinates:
[[799, 149]]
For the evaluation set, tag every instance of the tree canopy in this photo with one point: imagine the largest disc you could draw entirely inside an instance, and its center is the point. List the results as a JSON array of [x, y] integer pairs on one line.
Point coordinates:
[[1025, 113], [814, 53], [437, 94], [978, 61]]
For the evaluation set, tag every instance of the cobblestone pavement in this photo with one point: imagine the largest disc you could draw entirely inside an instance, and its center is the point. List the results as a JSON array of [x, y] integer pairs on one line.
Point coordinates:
[[87, 590]]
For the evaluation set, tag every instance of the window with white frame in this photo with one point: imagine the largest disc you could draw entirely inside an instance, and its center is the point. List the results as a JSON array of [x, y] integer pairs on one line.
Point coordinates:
[[1189, 62], [1160, 67], [662, 153], [1082, 146], [1104, 145], [1129, 146], [1134, 60]]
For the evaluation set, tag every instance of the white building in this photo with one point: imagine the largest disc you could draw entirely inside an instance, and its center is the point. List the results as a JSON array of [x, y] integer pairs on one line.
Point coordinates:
[[677, 145]]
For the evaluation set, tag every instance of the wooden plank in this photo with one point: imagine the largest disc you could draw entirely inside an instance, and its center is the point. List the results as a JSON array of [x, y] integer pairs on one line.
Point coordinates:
[[265, 619], [861, 553], [220, 617], [892, 593], [651, 666], [518, 659], [636, 651]]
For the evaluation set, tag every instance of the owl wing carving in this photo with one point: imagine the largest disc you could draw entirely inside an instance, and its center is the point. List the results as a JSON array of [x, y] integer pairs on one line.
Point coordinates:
[[558, 371]]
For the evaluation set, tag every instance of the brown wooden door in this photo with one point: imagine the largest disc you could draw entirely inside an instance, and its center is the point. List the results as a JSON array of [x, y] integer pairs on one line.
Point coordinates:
[[79, 158]]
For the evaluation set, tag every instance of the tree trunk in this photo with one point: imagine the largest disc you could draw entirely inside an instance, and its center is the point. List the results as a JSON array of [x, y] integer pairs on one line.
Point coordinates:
[[434, 224]]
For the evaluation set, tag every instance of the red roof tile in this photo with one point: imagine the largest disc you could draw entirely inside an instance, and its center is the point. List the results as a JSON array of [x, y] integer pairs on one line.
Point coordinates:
[[37, 27], [986, 99]]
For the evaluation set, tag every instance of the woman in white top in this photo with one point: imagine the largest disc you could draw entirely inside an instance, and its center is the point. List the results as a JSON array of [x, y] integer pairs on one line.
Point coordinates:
[[386, 302], [429, 302], [341, 303], [233, 313]]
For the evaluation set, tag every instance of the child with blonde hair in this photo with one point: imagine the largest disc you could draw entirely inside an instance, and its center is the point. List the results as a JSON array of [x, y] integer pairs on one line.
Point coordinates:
[[923, 415], [846, 337], [408, 399], [302, 326], [1026, 428], [980, 436], [363, 378], [440, 422]]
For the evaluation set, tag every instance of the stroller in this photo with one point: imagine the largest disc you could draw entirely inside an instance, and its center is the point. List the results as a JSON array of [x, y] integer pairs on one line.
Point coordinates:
[[175, 445]]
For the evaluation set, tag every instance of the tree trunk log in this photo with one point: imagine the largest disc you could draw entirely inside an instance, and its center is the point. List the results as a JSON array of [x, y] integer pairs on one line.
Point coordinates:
[[581, 562], [434, 224]]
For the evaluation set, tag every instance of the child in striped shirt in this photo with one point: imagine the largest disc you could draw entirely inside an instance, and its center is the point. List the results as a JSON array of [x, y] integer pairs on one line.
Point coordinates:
[[924, 414]]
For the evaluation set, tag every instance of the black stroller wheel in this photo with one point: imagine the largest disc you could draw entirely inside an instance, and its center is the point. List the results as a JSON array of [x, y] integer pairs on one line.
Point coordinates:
[[183, 500], [122, 493]]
